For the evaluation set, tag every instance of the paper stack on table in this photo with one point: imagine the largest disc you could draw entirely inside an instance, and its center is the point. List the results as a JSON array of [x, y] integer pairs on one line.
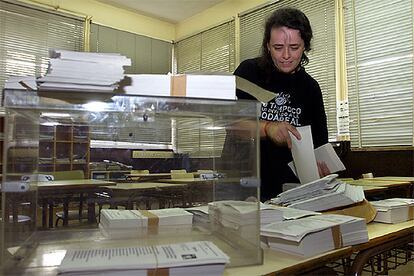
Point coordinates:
[[200, 215], [235, 218], [320, 195], [192, 258], [292, 213], [394, 210], [315, 234], [83, 71], [209, 86], [116, 223], [270, 213], [21, 83]]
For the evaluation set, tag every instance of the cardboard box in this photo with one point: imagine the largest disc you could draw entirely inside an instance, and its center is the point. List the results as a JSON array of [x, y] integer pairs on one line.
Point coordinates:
[[362, 209]]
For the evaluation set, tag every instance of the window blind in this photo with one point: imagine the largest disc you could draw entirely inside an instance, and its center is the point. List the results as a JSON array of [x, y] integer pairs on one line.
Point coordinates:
[[26, 35], [209, 51], [212, 50], [379, 51], [148, 55], [321, 14], [198, 137]]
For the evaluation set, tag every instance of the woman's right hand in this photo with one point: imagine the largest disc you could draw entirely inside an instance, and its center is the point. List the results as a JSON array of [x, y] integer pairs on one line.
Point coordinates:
[[278, 132]]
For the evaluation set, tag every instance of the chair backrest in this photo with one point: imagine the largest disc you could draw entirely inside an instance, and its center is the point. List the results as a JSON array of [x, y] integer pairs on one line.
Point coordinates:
[[37, 177], [66, 175], [205, 171], [140, 171], [182, 176], [178, 171]]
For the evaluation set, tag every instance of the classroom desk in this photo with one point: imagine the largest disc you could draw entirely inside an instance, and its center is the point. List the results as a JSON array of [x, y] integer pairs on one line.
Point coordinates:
[[398, 178], [51, 191], [278, 263], [147, 176], [199, 190], [393, 186], [370, 191], [395, 178], [382, 237], [128, 193], [186, 181]]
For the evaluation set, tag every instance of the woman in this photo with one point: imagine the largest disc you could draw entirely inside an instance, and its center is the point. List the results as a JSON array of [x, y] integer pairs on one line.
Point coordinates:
[[298, 101]]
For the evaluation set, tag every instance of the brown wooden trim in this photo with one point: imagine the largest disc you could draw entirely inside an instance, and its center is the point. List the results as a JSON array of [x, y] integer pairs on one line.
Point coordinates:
[[393, 148]]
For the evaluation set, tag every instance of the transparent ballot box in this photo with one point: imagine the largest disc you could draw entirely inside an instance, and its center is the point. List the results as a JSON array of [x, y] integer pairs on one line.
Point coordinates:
[[71, 169]]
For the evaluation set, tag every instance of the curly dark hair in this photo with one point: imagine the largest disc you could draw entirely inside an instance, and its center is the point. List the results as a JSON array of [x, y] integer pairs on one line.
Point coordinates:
[[291, 18]]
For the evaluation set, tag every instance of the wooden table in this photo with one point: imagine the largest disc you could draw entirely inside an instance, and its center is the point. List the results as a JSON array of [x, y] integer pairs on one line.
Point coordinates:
[[391, 185], [278, 263], [398, 178], [147, 176], [382, 237], [52, 191], [395, 178], [186, 181], [199, 190], [128, 193], [374, 190]]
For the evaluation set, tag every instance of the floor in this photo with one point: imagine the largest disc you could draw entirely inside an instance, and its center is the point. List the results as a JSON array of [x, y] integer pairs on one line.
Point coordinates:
[[403, 270], [400, 262]]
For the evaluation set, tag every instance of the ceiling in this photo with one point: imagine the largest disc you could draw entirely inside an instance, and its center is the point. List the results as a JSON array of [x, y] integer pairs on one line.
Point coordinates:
[[172, 11]]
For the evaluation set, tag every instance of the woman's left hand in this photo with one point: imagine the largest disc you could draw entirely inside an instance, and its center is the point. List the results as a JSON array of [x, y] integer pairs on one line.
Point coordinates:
[[323, 169]]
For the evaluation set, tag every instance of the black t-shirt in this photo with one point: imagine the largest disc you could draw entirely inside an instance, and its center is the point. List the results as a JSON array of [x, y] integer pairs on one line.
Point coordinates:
[[299, 102]]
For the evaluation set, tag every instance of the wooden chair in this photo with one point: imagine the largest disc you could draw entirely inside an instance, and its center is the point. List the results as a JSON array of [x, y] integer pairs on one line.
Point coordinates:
[[72, 214], [182, 176], [178, 171], [67, 175], [140, 171]]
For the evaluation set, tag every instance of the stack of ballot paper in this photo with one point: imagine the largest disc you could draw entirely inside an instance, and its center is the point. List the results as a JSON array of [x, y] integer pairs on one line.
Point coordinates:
[[21, 83], [320, 195], [116, 223], [271, 213], [233, 213], [192, 258], [200, 214], [188, 85], [394, 210], [292, 213], [235, 218], [315, 234], [83, 71]]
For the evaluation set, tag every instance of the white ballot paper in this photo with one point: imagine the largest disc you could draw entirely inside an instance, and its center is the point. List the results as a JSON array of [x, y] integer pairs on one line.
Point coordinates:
[[141, 260], [304, 155]]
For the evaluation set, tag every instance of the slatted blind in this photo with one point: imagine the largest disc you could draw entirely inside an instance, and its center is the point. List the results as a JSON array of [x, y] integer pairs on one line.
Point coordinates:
[[148, 55], [321, 14], [26, 35], [379, 50], [212, 50], [209, 51], [198, 137]]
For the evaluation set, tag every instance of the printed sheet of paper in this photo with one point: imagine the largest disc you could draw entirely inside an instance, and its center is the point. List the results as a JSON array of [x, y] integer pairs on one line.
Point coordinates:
[[304, 155], [145, 257], [327, 154]]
